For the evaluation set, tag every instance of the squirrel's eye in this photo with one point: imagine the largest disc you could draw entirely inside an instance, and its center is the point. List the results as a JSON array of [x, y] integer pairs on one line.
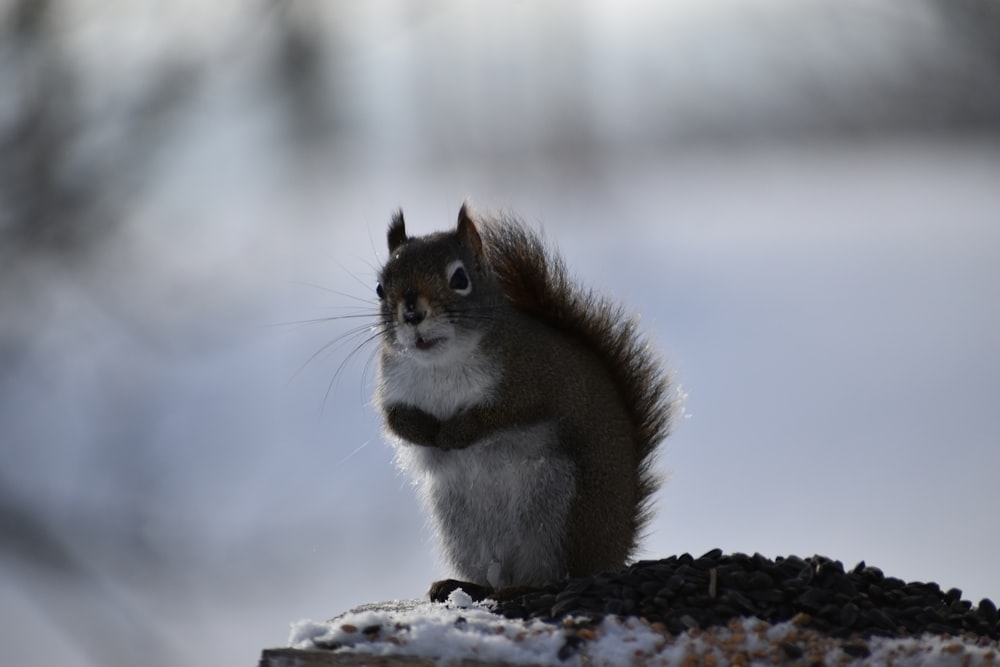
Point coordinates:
[[458, 279], [379, 291]]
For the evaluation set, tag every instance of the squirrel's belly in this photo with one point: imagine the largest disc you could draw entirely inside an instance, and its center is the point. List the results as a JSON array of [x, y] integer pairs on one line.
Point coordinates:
[[500, 505]]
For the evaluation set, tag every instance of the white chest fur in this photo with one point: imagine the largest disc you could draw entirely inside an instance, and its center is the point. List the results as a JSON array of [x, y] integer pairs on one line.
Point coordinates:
[[500, 506], [440, 389]]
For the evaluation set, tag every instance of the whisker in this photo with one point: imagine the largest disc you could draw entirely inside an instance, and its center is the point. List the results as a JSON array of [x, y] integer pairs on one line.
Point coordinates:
[[366, 373], [469, 317], [319, 320], [367, 286], [343, 364], [336, 343], [351, 455], [371, 244], [330, 290]]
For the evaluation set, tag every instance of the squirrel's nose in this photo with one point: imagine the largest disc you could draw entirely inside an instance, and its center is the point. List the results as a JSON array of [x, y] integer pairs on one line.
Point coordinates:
[[412, 313], [413, 317]]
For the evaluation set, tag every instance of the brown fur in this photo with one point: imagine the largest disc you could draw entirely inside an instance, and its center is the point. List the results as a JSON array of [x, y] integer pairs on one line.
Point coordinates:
[[535, 281]]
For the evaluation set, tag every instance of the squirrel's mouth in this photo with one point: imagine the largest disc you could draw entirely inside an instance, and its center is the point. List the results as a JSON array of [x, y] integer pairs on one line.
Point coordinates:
[[426, 343]]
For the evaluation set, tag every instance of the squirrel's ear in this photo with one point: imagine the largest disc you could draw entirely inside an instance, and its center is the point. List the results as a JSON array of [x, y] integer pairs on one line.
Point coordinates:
[[467, 232], [397, 231]]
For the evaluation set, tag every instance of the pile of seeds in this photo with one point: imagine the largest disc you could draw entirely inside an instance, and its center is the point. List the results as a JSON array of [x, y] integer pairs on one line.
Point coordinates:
[[684, 593]]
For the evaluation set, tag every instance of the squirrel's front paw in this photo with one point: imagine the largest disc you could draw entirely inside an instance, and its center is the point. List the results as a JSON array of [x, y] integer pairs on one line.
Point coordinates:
[[446, 438], [414, 425], [456, 433]]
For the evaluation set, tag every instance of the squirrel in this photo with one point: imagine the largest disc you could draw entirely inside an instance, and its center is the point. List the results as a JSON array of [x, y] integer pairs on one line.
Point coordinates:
[[527, 408]]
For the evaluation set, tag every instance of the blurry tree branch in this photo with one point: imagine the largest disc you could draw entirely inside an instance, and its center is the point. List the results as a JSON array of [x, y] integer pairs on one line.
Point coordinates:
[[59, 193]]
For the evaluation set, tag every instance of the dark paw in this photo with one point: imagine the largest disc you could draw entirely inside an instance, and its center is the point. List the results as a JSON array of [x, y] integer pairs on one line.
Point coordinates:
[[440, 590]]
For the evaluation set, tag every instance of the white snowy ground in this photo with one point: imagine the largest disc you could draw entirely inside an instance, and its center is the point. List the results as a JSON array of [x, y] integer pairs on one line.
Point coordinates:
[[461, 629]]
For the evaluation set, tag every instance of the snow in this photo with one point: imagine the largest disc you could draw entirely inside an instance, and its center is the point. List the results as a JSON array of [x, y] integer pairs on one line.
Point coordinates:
[[461, 629]]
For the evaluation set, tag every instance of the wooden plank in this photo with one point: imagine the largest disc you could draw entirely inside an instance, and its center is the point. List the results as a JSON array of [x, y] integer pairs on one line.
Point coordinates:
[[293, 657]]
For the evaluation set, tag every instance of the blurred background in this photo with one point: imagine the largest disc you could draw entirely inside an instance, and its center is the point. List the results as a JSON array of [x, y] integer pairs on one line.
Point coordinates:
[[802, 198]]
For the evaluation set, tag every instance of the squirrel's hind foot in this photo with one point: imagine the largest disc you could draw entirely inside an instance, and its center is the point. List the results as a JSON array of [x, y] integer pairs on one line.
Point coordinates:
[[440, 590]]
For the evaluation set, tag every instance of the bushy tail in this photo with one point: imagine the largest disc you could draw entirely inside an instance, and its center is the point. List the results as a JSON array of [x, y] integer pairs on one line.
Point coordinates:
[[535, 280]]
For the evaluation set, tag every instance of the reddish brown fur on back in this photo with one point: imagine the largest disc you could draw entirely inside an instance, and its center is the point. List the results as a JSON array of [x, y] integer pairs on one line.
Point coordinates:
[[535, 280]]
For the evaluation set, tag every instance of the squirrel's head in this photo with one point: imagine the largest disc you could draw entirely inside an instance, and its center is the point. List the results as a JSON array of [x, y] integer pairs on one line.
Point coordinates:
[[436, 292]]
